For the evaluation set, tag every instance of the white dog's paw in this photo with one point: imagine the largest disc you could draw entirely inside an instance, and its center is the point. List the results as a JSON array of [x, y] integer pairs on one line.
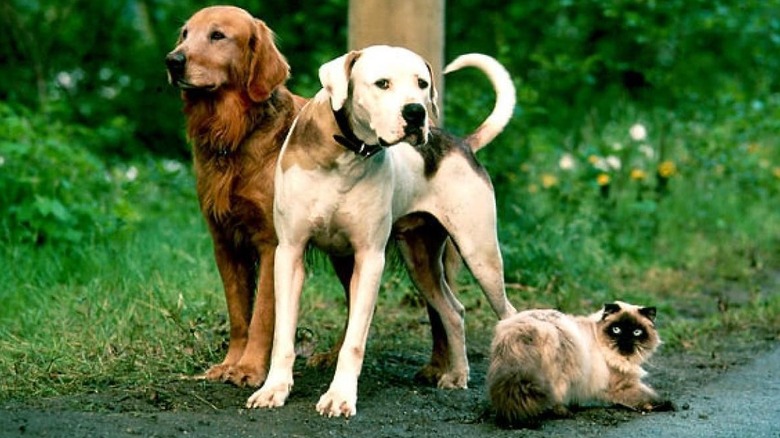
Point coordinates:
[[453, 380], [336, 403], [269, 396]]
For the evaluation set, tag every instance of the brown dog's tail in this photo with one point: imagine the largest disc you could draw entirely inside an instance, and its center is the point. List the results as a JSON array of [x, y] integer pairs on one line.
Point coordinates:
[[505, 97]]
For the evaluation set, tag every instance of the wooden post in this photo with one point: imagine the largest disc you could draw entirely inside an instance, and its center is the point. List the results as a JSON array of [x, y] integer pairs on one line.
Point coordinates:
[[417, 25]]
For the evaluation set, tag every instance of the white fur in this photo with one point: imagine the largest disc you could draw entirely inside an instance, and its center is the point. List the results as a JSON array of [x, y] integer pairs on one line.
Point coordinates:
[[350, 203], [376, 112], [505, 93]]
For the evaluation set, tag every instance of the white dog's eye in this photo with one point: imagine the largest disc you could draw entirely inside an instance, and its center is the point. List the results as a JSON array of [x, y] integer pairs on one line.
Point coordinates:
[[422, 83], [383, 84]]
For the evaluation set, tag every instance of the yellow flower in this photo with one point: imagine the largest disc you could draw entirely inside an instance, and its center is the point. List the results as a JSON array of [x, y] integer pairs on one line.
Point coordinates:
[[603, 179], [549, 180], [776, 172], [667, 169], [752, 148], [533, 188], [593, 159], [525, 167], [638, 174]]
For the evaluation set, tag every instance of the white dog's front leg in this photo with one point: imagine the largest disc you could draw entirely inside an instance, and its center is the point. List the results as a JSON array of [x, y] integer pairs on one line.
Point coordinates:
[[341, 397], [288, 274]]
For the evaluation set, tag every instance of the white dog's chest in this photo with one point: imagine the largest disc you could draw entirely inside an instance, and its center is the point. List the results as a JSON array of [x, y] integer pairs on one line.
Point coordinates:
[[337, 208]]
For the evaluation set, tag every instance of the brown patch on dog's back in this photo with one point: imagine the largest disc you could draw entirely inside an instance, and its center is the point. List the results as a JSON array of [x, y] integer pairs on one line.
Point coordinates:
[[311, 143], [440, 144]]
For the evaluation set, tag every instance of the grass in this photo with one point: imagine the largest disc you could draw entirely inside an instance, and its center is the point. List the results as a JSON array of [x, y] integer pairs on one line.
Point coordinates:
[[143, 303]]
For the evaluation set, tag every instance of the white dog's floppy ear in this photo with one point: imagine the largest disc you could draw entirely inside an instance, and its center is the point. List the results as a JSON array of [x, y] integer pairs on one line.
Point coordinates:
[[434, 94], [334, 77]]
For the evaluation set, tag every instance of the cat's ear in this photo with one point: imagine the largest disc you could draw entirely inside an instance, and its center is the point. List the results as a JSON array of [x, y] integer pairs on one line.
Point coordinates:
[[648, 312], [609, 309]]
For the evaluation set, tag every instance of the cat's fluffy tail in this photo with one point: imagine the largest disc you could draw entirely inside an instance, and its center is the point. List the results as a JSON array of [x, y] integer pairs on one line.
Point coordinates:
[[517, 397]]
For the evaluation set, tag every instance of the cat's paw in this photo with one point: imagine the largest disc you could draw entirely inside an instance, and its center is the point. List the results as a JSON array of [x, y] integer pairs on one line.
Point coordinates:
[[658, 406]]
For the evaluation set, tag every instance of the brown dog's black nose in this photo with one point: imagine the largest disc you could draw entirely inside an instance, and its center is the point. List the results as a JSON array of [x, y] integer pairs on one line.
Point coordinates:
[[414, 114], [175, 61]]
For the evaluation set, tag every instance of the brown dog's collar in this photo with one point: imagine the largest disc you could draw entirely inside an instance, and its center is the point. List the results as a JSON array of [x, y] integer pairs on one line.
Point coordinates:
[[349, 140]]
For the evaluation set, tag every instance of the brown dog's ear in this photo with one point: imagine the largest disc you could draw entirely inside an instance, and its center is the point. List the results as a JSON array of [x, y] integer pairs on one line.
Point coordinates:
[[334, 77], [434, 93], [267, 67]]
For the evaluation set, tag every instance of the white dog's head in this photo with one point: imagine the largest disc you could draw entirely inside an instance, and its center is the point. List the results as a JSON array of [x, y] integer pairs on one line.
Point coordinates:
[[386, 92]]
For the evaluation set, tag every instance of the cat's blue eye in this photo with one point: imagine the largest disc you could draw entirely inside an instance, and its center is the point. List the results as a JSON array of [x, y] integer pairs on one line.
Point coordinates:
[[616, 330], [638, 332]]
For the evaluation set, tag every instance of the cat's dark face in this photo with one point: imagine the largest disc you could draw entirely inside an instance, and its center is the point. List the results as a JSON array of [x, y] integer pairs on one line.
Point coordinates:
[[629, 329]]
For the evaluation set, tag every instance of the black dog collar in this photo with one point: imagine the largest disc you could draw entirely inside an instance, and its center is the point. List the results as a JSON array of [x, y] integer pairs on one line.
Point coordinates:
[[349, 140]]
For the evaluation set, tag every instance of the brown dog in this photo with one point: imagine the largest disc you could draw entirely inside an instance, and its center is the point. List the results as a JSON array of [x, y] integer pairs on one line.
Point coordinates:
[[231, 77], [238, 111]]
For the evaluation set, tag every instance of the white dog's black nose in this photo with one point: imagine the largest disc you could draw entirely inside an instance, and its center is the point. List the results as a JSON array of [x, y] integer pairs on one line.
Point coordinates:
[[413, 114]]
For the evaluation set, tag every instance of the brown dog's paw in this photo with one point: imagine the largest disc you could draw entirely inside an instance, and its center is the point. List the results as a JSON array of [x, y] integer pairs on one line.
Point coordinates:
[[246, 375], [217, 372]]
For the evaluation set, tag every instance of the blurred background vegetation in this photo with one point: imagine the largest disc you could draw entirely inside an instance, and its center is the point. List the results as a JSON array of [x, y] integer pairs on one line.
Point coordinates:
[[642, 162]]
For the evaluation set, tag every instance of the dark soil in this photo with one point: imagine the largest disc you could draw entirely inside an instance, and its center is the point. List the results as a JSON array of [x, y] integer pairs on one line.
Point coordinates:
[[390, 404]]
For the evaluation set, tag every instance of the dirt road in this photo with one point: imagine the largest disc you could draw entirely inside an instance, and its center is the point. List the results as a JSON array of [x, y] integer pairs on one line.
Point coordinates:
[[715, 396]]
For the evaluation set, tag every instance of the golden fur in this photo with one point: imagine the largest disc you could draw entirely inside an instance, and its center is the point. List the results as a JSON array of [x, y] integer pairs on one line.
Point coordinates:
[[238, 113]]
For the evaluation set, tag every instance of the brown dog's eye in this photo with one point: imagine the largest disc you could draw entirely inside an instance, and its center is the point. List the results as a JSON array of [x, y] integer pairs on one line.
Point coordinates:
[[383, 84], [422, 83], [217, 35]]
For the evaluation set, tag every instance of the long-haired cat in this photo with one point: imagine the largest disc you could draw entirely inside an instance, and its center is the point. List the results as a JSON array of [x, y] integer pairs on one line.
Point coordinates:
[[544, 360]]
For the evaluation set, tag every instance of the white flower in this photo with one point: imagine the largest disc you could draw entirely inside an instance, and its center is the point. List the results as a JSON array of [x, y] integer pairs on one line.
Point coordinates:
[[617, 147], [566, 162], [2, 160], [638, 132], [601, 164], [613, 162], [132, 173], [171, 166], [65, 80], [647, 151]]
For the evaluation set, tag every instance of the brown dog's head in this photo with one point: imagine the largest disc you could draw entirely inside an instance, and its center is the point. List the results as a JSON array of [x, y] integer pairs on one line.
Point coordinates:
[[223, 48]]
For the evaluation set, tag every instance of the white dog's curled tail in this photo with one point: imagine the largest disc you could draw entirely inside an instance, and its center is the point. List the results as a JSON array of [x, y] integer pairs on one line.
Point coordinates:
[[505, 96]]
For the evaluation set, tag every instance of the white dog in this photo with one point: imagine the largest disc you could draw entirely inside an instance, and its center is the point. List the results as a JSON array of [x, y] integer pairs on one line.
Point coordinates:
[[361, 161]]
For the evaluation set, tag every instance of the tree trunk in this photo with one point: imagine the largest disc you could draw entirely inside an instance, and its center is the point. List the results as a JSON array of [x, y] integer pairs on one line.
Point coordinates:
[[417, 25]]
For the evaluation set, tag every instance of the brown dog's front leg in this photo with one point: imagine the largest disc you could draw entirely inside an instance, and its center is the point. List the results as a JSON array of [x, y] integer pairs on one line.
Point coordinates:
[[252, 368], [236, 270]]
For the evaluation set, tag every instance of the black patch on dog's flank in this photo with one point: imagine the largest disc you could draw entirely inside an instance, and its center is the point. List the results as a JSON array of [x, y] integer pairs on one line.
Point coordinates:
[[440, 144]]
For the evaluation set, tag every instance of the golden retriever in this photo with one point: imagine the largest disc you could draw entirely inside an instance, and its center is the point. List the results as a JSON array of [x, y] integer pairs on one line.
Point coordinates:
[[238, 112]]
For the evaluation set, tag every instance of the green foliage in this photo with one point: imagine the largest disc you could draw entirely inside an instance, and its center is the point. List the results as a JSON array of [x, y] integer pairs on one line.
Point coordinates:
[[55, 189], [52, 188]]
